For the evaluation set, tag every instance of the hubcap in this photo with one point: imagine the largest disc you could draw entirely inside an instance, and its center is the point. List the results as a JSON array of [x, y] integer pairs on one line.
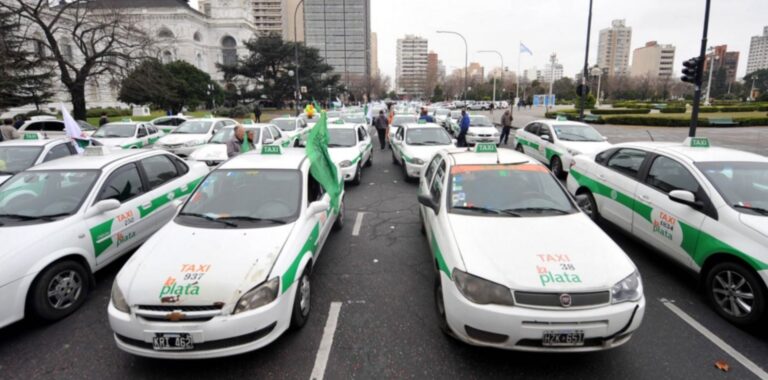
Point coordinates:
[[556, 166], [585, 204], [304, 293], [733, 293], [64, 289]]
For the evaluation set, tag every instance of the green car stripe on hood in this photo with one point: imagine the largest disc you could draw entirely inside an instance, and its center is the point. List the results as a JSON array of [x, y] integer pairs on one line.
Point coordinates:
[[309, 246], [696, 243]]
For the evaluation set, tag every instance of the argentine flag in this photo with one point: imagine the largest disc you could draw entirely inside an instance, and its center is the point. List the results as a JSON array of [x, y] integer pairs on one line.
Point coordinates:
[[524, 49]]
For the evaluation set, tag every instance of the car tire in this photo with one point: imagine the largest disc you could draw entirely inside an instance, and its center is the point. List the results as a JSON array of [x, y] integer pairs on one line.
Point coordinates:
[[422, 228], [358, 176], [556, 165], [588, 204], [394, 159], [296, 143], [519, 148], [406, 178], [442, 320], [370, 161], [723, 293], [69, 281], [338, 225], [302, 301]]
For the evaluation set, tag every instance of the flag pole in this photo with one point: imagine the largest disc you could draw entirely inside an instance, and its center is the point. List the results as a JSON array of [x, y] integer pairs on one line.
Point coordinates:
[[517, 91]]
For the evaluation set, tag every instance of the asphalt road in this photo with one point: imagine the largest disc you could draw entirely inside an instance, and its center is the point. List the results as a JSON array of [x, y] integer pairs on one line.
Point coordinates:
[[387, 327]]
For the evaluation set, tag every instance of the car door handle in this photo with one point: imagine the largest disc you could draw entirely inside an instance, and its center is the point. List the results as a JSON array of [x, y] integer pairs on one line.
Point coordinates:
[[645, 198], [601, 176]]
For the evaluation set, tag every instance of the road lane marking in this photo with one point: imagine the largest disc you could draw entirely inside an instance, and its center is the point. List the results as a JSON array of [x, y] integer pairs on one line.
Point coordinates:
[[321, 359], [358, 223], [754, 368]]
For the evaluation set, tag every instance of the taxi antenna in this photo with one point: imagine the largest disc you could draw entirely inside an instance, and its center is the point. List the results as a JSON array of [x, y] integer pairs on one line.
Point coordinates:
[[649, 134]]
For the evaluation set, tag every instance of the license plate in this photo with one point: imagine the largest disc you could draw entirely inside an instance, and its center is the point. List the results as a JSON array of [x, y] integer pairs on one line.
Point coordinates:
[[172, 342], [563, 338]]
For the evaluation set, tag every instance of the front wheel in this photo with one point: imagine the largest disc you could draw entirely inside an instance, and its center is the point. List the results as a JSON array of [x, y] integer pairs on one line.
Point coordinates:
[[60, 290], [301, 302], [338, 225], [442, 320], [557, 167], [588, 204], [358, 176], [736, 293], [519, 148]]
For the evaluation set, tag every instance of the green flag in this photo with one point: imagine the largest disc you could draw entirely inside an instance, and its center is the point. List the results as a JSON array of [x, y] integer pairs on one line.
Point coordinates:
[[322, 167], [246, 146], [317, 106]]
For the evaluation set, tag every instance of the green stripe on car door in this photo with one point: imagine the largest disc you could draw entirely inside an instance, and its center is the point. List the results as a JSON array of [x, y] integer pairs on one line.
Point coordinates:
[[309, 246]]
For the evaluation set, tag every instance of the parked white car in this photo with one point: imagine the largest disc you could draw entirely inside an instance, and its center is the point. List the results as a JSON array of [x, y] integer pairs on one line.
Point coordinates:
[[350, 147], [215, 151], [191, 135], [414, 144], [48, 127], [127, 135], [19, 155]]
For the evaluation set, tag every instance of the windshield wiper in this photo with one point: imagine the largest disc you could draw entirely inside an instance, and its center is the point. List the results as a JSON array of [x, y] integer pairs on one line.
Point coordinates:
[[435, 143], [758, 210], [417, 143], [487, 210], [254, 219], [540, 209], [35, 217], [209, 218]]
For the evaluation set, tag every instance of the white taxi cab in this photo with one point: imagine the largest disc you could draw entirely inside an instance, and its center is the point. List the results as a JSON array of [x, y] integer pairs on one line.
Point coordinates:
[[292, 128], [19, 155], [498, 281], [705, 207], [350, 147], [127, 135], [556, 142], [398, 121], [62, 220], [481, 130], [230, 273], [415, 143], [191, 135], [215, 151]]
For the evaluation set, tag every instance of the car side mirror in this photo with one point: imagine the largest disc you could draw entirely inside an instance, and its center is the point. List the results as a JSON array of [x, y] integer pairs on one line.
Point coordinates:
[[427, 201], [605, 138], [685, 197], [454, 141], [268, 141], [102, 207], [546, 138], [317, 207]]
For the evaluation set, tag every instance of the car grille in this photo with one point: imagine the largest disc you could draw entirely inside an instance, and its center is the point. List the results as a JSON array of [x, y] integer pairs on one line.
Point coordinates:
[[552, 300], [182, 308], [181, 313]]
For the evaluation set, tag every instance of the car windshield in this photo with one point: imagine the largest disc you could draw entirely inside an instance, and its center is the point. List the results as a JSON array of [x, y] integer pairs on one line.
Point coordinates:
[[402, 119], [427, 136], [743, 185], [529, 190], [340, 138], [442, 112], [479, 121], [285, 124], [273, 197], [84, 126], [116, 131], [196, 127], [14, 159], [354, 119], [455, 114], [43, 196], [575, 132], [226, 134]]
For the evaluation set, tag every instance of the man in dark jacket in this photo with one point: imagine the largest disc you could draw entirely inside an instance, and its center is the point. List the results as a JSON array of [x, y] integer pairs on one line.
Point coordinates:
[[426, 116], [506, 126], [381, 125], [257, 112], [463, 129], [103, 119]]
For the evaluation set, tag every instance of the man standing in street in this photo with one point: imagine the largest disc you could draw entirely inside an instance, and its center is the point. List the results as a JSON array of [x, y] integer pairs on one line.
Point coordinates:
[[506, 126], [103, 119], [426, 116], [381, 128], [257, 112], [8, 132], [463, 129], [235, 145]]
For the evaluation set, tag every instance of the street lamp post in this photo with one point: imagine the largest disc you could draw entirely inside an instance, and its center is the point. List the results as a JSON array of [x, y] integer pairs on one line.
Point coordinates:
[[598, 72], [466, 60], [586, 64], [712, 60], [552, 60], [297, 94], [494, 77]]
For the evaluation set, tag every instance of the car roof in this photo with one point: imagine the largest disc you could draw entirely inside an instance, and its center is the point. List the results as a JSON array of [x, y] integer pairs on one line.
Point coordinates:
[[94, 162], [691, 154], [213, 119], [423, 125], [286, 118], [464, 156], [343, 126], [288, 159], [40, 142], [553, 122]]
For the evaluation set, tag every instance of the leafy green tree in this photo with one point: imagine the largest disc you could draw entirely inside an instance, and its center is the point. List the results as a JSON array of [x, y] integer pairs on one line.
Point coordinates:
[[760, 80], [564, 89], [24, 79], [437, 94], [190, 87], [171, 86]]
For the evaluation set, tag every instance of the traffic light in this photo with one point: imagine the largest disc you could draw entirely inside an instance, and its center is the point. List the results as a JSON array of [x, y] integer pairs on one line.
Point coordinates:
[[691, 70]]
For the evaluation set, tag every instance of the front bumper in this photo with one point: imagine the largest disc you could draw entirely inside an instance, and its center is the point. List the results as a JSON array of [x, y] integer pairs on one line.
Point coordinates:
[[522, 329], [223, 335], [348, 173], [413, 170]]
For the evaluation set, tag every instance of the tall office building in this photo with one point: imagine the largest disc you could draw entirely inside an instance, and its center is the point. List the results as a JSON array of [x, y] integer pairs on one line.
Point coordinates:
[[341, 30], [476, 72], [728, 60], [411, 74], [758, 52], [374, 54], [432, 72], [613, 48], [654, 60], [267, 16], [552, 71], [440, 71]]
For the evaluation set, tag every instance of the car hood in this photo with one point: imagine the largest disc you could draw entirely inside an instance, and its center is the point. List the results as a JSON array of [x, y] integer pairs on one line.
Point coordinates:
[[212, 152], [483, 130], [115, 141], [173, 139], [578, 257], [341, 154], [755, 222], [585, 147], [425, 153], [195, 266]]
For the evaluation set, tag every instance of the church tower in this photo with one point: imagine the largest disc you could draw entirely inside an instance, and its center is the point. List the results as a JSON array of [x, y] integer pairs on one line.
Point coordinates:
[[227, 9]]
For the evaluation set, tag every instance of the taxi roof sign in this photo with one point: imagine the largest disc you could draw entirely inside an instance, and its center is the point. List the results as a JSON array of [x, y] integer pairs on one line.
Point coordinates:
[[697, 142], [485, 148], [247, 121], [561, 118], [126, 120], [271, 149], [422, 121], [340, 121]]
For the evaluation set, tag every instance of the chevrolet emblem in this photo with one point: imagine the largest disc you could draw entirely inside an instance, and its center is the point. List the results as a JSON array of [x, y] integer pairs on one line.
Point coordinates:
[[175, 316]]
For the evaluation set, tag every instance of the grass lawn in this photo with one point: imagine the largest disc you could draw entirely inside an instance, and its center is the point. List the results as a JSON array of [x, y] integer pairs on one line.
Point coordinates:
[[713, 115], [266, 115]]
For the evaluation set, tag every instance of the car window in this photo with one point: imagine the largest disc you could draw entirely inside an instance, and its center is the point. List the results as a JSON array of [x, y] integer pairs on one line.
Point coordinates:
[[53, 126], [667, 175], [267, 135], [361, 133], [314, 190], [58, 151], [159, 170], [152, 129], [627, 161], [124, 184], [400, 133], [275, 132], [602, 158], [544, 130], [34, 127], [142, 131], [167, 121], [181, 166], [431, 168], [437, 185]]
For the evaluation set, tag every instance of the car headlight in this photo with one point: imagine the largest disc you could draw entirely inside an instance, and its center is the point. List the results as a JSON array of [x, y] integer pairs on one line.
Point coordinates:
[[628, 289], [471, 134], [118, 301], [482, 291], [417, 161], [194, 142], [345, 163], [258, 296]]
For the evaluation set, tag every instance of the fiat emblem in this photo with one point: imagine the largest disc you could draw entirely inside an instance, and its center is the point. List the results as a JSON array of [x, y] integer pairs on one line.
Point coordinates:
[[566, 300]]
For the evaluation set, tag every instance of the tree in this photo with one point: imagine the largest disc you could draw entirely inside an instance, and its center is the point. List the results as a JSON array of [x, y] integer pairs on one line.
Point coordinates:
[[23, 78], [564, 89], [171, 86], [268, 68], [760, 80], [190, 84], [437, 94], [85, 39]]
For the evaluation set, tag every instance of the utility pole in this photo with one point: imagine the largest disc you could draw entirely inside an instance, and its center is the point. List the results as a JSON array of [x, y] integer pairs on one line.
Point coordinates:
[[466, 60], [552, 60], [297, 95], [699, 72], [586, 64]]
